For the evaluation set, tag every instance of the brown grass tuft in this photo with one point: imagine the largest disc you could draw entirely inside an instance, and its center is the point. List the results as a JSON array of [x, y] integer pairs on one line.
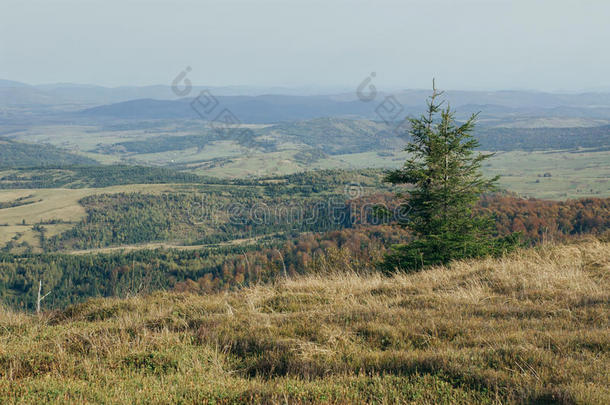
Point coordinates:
[[528, 328]]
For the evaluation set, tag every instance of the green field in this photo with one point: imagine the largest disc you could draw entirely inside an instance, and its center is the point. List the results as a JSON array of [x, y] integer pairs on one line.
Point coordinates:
[[571, 175], [547, 146], [53, 204]]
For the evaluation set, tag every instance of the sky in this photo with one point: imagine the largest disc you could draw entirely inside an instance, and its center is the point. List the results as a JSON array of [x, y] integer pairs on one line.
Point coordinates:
[[559, 45]]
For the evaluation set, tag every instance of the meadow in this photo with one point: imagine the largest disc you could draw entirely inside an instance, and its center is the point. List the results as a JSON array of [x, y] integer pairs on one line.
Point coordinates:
[[531, 327], [553, 175], [575, 158], [58, 209]]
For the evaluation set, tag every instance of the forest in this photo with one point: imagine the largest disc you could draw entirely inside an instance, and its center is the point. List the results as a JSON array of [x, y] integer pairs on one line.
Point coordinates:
[[21, 154], [71, 176], [356, 243], [529, 139]]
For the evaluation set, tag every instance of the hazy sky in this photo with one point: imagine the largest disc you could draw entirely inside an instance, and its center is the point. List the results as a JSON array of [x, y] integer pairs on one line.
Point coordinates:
[[486, 44]]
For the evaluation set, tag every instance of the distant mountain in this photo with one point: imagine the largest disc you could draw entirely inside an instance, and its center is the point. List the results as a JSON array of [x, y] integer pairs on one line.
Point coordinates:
[[19, 154], [529, 139], [19, 94], [11, 83], [282, 108], [272, 105], [87, 94], [510, 99], [24, 96], [247, 109]]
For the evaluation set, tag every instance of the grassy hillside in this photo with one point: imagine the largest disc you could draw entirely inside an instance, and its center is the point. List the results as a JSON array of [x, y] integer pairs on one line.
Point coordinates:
[[18, 154], [532, 327]]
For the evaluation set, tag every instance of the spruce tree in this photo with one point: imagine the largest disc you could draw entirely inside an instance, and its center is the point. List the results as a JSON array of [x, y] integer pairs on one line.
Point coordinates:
[[444, 171]]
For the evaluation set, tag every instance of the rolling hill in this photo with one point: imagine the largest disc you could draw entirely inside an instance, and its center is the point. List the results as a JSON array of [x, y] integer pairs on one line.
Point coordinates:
[[248, 109], [345, 136], [19, 154]]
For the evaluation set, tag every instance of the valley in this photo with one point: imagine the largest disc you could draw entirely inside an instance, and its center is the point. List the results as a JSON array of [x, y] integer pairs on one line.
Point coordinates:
[[304, 202], [140, 219]]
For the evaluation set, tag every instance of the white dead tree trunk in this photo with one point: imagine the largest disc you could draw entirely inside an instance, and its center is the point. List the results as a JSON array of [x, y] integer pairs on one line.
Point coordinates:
[[39, 297], [247, 265], [283, 263]]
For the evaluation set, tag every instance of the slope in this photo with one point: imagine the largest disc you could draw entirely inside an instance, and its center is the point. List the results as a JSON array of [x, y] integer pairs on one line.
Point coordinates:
[[528, 328]]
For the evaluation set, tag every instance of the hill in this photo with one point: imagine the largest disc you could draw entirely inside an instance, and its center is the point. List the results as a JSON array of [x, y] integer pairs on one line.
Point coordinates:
[[497, 108], [528, 139], [90, 94], [69, 176], [528, 328], [322, 135], [19, 154], [249, 109], [282, 108], [11, 83], [334, 136]]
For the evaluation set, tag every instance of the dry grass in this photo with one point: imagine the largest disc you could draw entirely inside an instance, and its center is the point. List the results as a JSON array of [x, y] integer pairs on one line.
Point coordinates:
[[529, 328]]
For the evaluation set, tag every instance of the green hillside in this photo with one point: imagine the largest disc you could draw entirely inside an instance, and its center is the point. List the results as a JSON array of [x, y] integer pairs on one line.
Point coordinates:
[[19, 154]]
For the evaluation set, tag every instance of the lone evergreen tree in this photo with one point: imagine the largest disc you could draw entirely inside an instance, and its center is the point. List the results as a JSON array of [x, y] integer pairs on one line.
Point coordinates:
[[445, 172]]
